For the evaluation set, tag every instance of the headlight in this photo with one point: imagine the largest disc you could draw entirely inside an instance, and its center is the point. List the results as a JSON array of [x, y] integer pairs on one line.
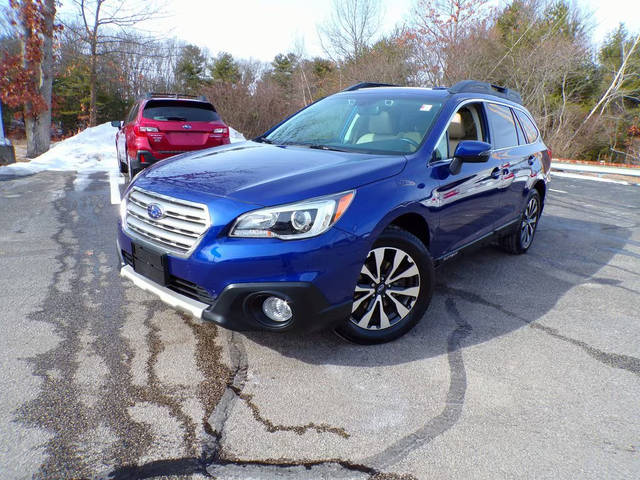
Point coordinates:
[[296, 220]]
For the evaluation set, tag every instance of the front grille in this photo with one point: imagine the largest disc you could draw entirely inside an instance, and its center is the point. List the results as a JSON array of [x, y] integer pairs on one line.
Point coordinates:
[[178, 231], [190, 290]]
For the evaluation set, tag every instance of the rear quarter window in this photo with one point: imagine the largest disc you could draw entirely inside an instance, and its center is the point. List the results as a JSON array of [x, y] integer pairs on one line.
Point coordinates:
[[502, 124], [168, 110], [530, 130], [133, 113]]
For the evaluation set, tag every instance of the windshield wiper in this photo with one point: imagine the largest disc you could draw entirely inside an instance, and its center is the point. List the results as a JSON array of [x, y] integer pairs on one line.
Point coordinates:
[[319, 146], [263, 139]]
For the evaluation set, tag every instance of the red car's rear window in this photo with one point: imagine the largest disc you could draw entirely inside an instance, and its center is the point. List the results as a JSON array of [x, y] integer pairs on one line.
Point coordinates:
[[171, 110]]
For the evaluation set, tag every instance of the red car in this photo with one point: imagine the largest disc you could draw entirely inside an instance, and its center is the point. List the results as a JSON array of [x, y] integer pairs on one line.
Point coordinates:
[[161, 125]]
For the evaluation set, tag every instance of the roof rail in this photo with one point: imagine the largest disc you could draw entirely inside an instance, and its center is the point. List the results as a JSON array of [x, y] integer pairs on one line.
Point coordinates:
[[474, 86], [148, 95], [360, 85]]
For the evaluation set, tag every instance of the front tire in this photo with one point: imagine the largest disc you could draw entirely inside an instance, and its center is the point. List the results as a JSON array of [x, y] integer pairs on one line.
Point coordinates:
[[393, 291], [520, 239]]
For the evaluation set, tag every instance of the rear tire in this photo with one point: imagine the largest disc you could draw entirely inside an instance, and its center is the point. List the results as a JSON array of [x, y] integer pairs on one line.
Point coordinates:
[[131, 172], [121, 164], [393, 291], [521, 239]]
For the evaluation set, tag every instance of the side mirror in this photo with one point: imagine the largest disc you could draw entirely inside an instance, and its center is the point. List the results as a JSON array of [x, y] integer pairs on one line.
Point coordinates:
[[469, 151], [116, 123]]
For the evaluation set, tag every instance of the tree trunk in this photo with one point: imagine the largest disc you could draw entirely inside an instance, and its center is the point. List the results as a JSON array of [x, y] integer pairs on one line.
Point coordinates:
[[38, 125], [93, 114]]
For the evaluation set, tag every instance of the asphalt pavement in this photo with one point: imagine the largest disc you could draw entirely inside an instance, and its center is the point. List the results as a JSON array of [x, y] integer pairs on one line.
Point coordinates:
[[523, 367]]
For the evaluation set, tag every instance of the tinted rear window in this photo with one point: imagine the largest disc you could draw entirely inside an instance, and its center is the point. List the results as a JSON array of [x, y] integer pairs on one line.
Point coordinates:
[[171, 110], [503, 127]]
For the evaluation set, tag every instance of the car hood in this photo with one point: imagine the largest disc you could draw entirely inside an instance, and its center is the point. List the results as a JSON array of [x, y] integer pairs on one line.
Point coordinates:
[[263, 174]]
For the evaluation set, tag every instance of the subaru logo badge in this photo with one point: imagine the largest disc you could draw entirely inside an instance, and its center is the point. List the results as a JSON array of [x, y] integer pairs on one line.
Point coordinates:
[[186, 125], [155, 211]]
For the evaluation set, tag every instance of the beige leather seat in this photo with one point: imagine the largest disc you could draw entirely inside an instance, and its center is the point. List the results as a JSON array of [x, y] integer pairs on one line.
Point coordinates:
[[456, 132], [380, 128]]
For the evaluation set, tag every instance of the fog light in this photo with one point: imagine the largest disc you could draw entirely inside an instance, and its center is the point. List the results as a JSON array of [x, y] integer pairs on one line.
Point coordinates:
[[277, 309]]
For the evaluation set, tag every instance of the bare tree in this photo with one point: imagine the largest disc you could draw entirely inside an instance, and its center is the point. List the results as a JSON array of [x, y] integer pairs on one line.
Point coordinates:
[[351, 28], [103, 25], [442, 32]]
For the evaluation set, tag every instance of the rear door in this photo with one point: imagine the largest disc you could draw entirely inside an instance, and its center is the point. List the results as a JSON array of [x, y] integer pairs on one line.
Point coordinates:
[[183, 125], [528, 157], [511, 156]]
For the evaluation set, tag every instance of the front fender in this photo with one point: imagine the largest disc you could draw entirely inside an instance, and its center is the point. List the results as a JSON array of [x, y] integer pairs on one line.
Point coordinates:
[[378, 205]]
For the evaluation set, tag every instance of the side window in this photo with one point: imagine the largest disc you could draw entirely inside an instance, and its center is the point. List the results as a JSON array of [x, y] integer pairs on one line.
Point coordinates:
[[530, 130], [466, 124], [502, 124]]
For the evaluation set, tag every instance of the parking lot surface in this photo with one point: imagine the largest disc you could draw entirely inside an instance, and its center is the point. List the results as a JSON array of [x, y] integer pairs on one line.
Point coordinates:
[[523, 367]]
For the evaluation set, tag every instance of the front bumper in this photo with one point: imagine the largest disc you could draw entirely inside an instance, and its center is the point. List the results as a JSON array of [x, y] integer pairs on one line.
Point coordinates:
[[239, 305]]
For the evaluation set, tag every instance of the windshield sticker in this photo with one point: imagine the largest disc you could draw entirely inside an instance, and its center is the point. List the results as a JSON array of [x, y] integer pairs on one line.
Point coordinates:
[[425, 108]]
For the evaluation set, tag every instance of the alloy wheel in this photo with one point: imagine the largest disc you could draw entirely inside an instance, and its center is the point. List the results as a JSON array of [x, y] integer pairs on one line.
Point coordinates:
[[387, 289], [529, 222]]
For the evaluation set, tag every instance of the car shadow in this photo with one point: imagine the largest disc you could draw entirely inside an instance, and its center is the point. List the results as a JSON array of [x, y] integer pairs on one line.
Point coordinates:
[[500, 293]]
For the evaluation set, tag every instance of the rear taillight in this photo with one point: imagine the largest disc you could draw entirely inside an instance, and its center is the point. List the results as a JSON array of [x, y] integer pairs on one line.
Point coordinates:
[[139, 129], [223, 131]]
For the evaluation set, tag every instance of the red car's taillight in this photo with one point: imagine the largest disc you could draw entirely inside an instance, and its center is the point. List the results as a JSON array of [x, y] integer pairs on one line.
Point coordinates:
[[138, 130], [222, 131]]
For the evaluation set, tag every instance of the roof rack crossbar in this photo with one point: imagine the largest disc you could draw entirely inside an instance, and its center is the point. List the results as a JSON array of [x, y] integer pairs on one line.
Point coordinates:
[[174, 95], [474, 86], [360, 85]]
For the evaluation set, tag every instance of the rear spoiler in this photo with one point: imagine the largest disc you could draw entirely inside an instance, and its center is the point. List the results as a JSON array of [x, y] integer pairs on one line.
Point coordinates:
[[149, 95]]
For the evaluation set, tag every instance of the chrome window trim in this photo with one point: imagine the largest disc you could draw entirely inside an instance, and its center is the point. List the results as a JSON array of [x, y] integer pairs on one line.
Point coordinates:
[[484, 100], [160, 248]]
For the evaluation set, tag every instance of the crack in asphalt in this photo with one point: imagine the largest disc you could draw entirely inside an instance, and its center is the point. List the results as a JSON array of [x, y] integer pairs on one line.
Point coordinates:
[[79, 304], [299, 429], [452, 410], [58, 408], [155, 391], [218, 419], [614, 360]]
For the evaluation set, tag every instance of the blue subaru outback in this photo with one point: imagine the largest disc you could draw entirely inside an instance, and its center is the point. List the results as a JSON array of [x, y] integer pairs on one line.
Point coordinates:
[[337, 217]]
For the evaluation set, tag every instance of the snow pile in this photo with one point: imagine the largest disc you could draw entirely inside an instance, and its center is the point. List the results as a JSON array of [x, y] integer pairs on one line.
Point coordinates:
[[235, 136], [92, 150]]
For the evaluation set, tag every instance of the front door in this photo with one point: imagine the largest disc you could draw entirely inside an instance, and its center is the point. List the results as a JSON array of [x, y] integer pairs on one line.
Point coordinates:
[[469, 201]]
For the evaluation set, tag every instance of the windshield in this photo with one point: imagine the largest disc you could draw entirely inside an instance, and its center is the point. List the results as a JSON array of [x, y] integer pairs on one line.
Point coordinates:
[[361, 123], [171, 110]]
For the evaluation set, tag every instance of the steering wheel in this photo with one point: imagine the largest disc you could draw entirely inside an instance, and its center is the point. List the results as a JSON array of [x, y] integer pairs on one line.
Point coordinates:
[[410, 142]]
